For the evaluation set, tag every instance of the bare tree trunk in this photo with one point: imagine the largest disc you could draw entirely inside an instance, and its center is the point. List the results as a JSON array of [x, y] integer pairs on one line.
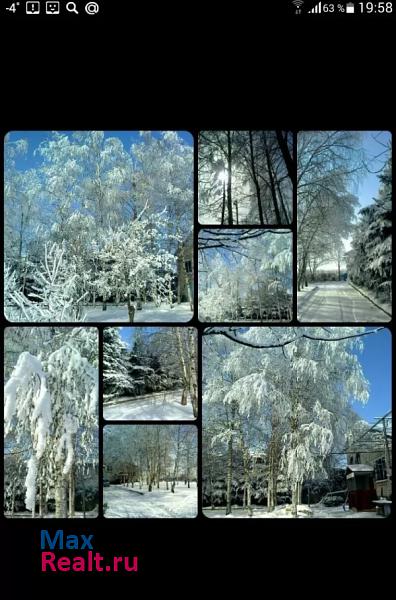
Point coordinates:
[[158, 457], [295, 491], [255, 180], [184, 397], [60, 498], [83, 498], [42, 503], [13, 501], [190, 282], [272, 476], [72, 493], [271, 495], [131, 310], [230, 452], [249, 499], [182, 280], [193, 379], [182, 358], [177, 458], [299, 492], [287, 157], [229, 173], [223, 206], [302, 274], [272, 182], [282, 203], [138, 301]]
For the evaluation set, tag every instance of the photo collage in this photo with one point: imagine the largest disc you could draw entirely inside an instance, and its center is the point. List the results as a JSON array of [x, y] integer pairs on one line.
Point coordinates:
[[197, 324]]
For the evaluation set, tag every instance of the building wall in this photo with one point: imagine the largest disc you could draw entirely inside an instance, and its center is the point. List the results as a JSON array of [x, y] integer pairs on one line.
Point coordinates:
[[383, 486]]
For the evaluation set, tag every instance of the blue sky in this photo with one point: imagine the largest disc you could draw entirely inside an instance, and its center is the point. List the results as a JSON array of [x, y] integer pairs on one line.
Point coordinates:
[[367, 187], [376, 362], [34, 139], [128, 333], [372, 143]]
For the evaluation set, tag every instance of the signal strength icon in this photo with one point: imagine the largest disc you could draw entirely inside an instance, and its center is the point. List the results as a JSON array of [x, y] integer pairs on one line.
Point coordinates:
[[298, 4], [316, 9]]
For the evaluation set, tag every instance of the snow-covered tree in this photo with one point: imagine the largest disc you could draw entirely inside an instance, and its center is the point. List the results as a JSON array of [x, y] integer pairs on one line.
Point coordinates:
[[54, 295], [370, 260], [116, 378], [51, 411], [135, 263], [164, 359], [245, 275], [153, 456], [328, 162], [296, 386], [112, 218]]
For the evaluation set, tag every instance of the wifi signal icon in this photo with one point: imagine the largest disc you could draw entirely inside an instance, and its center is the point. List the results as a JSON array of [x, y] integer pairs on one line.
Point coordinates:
[[298, 4]]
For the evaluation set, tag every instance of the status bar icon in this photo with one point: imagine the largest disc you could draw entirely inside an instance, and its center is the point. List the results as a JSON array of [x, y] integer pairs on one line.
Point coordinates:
[[32, 8]]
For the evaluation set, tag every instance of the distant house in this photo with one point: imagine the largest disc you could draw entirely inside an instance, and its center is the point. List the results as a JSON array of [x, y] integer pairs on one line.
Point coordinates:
[[376, 461], [374, 451], [360, 485]]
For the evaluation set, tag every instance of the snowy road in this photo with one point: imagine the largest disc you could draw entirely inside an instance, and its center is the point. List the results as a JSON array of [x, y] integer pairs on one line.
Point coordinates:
[[337, 302], [162, 406], [123, 502]]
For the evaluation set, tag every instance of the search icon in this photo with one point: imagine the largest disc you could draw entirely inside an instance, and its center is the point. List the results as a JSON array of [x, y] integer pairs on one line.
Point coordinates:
[[71, 7]]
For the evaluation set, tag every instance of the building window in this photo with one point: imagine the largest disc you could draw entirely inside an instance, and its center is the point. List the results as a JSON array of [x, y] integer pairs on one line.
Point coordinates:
[[357, 460], [380, 469], [188, 265], [351, 459]]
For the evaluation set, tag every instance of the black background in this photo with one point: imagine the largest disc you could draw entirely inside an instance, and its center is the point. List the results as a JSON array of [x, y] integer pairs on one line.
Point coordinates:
[[189, 68]]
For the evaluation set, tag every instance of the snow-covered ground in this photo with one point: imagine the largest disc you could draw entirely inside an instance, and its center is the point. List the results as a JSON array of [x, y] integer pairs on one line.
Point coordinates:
[[126, 502], [384, 305], [336, 301], [92, 514], [317, 511], [161, 406], [180, 313]]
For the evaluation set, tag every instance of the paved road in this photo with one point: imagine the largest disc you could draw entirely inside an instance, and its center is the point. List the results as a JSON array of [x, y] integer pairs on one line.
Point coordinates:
[[339, 302]]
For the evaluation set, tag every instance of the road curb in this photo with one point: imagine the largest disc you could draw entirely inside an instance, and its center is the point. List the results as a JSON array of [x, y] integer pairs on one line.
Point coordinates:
[[370, 299]]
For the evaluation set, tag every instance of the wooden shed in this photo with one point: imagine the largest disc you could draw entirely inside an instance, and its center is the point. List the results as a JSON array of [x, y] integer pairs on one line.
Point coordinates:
[[360, 485]]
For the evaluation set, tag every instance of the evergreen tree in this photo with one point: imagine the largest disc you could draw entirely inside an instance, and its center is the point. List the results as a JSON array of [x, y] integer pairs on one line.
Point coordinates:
[[370, 260], [116, 379]]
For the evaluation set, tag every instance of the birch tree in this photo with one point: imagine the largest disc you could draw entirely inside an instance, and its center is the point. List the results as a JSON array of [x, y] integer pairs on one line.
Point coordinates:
[[51, 409]]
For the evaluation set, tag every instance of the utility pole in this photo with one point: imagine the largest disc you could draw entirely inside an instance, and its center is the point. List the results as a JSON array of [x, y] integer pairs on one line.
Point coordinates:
[[388, 463]]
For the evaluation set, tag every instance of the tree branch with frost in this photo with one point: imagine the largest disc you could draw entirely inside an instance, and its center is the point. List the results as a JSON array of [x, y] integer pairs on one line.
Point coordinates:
[[230, 240], [55, 296], [231, 334]]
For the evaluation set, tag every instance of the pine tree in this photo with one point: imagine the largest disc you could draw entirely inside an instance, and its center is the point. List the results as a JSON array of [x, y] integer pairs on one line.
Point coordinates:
[[370, 260], [116, 378]]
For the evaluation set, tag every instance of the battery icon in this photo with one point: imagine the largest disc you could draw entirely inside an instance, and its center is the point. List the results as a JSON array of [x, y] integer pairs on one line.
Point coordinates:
[[350, 7]]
